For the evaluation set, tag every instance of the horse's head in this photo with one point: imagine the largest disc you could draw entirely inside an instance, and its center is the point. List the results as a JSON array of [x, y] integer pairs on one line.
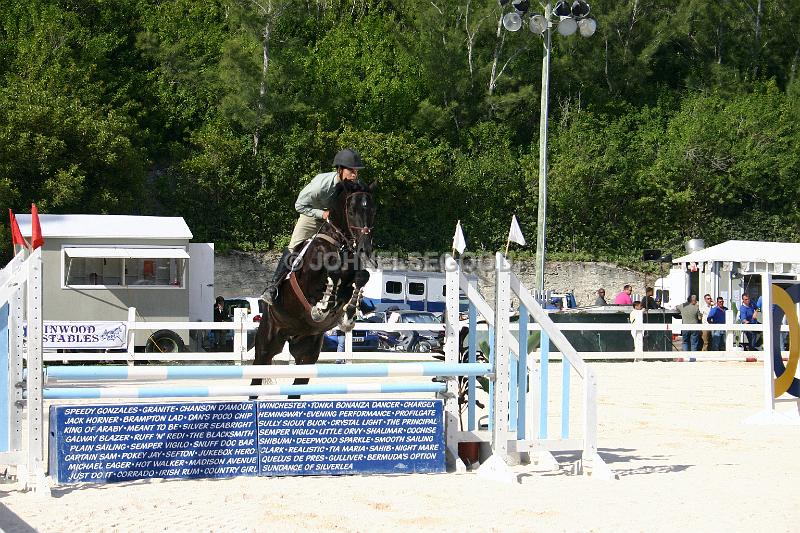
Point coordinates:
[[353, 214]]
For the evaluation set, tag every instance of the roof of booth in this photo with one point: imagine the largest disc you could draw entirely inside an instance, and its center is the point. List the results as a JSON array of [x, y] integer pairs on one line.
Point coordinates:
[[752, 251], [107, 227]]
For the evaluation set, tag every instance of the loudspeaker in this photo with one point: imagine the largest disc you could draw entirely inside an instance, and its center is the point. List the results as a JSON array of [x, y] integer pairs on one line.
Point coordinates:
[[651, 255]]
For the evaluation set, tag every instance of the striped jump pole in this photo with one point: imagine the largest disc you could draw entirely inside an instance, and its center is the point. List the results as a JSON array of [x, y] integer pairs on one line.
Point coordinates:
[[75, 393], [55, 374]]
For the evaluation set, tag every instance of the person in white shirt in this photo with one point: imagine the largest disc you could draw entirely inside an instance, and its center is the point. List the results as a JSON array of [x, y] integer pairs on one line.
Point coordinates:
[[705, 307]]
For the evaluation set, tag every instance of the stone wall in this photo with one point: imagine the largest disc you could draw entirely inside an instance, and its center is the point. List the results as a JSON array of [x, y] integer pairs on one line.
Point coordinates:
[[247, 274], [242, 273]]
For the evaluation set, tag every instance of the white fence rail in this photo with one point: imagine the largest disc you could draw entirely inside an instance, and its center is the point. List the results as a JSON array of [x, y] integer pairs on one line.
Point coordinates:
[[241, 328]]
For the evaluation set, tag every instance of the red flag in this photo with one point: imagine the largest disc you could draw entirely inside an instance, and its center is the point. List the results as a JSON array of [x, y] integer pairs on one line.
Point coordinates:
[[36, 228], [16, 234]]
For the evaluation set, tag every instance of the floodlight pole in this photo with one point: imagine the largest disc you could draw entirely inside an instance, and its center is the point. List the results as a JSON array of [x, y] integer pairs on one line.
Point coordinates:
[[541, 226]]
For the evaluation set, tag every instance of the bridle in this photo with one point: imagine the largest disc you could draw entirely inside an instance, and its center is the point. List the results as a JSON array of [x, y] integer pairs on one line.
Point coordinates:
[[338, 239], [356, 232]]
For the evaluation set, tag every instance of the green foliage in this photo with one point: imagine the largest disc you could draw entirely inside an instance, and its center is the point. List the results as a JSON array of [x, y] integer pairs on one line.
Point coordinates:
[[678, 119]]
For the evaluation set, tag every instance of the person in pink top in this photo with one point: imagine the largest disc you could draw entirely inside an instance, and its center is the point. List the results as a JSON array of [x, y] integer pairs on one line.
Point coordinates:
[[624, 298]]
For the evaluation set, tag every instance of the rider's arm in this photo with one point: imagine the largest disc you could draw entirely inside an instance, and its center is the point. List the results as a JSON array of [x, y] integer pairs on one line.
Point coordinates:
[[313, 198], [305, 202]]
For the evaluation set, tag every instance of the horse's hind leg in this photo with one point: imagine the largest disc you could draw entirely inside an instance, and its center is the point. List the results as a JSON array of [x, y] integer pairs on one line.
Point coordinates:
[[305, 351]]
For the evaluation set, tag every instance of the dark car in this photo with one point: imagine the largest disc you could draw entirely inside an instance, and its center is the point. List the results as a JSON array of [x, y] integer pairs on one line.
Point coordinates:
[[421, 340], [363, 340]]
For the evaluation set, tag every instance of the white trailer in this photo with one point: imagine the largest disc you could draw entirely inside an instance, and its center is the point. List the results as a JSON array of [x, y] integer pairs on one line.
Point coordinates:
[[96, 267], [408, 289]]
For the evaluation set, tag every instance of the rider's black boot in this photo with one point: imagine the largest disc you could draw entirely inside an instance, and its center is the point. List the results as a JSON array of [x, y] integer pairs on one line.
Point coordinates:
[[271, 292]]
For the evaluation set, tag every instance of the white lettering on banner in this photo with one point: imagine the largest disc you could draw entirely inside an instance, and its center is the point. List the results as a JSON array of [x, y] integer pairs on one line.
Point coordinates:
[[95, 335]]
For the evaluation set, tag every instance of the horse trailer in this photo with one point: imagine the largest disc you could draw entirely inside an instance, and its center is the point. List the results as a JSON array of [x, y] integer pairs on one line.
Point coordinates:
[[408, 289]]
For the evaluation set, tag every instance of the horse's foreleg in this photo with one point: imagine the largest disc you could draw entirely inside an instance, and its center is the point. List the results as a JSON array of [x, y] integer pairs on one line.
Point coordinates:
[[348, 320], [360, 279], [326, 303]]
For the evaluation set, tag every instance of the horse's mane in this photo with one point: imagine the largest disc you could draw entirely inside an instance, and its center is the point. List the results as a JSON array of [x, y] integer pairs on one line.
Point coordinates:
[[349, 186]]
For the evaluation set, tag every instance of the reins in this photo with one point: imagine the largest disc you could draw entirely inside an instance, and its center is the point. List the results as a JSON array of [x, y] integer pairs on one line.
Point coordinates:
[[338, 239]]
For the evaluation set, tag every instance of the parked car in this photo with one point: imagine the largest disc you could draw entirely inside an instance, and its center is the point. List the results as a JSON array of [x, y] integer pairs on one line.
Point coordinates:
[[363, 340], [412, 341], [255, 308]]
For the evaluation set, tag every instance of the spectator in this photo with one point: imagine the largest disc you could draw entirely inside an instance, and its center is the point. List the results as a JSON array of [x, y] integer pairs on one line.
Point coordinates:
[[690, 314], [648, 302], [624, 298], [340, 342], [717, 316], [216, 337], [638, 335], [746, 316], [601, 297], [705, 307]]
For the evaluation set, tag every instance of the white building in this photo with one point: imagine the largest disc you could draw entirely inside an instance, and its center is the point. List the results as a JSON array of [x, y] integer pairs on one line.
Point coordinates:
[[731, 269]]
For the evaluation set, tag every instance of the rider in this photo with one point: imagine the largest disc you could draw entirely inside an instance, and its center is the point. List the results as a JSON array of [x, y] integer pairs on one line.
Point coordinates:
[[313, 203]]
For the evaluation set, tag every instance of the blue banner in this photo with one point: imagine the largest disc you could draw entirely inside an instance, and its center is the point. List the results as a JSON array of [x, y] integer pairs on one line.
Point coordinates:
[[178, 440], [350, 437], [102, 443]]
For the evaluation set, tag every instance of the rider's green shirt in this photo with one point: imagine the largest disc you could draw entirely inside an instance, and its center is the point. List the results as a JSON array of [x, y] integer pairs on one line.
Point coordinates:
[[317, 195]]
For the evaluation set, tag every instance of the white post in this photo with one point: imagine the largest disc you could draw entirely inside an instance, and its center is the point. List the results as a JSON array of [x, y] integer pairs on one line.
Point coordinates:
[[676, 329], [452, 410], [35, 473], [501, 356], [729, 320], [769, 342], [239, 333], [16, 350], [131, 335]]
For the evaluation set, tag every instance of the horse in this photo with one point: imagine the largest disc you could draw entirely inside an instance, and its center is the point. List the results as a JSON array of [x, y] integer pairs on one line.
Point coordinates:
[[324, 287]]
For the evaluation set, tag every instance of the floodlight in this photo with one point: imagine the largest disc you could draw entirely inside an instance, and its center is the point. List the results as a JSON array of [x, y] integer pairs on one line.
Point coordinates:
[[512, 21], [538, 24], [562, 9], [567, 26], [587, 27], [521, 6], [580, 9]]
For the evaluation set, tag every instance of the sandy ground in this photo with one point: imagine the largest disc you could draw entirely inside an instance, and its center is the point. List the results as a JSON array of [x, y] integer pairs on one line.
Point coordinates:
[[674, 433]]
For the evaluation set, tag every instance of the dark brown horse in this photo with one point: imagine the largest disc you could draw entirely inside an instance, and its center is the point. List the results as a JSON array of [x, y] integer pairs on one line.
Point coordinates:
[[323, 290]]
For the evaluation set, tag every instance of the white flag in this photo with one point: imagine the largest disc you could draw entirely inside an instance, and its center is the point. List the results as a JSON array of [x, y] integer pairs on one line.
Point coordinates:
[[515, 233], [459, 244]]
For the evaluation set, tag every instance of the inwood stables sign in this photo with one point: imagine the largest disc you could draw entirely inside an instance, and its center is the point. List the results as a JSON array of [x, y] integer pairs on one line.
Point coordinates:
[[95, 335]]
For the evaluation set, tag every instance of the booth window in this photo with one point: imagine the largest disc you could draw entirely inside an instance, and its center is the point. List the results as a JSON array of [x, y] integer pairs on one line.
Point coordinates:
[[416, 288], [124, 267], [394, 287]]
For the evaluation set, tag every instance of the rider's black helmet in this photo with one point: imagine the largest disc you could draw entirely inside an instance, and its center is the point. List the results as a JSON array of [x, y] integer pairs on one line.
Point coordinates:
[[348, 158]]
